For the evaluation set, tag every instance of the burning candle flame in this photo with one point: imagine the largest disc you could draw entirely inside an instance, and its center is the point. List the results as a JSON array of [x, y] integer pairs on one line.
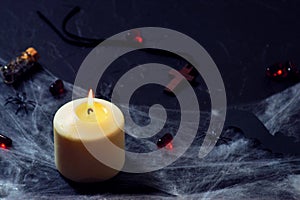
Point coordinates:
[[90, 98], [90, 102]]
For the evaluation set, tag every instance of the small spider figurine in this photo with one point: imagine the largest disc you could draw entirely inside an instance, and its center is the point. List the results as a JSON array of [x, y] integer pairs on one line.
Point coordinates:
[[21, 101]]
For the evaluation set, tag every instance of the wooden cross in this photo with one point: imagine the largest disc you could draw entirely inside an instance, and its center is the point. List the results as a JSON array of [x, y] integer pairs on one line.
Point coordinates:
[[187, 72]]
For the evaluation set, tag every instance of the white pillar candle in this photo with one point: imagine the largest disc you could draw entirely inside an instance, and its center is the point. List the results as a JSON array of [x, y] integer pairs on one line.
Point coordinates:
[[88, 122]]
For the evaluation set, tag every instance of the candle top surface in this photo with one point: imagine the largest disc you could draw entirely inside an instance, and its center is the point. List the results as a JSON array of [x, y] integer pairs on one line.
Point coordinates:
[[92, 121], [92, 112]]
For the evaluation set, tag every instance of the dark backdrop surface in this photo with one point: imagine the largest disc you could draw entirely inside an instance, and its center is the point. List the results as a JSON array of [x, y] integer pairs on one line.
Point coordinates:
[[242, 37]]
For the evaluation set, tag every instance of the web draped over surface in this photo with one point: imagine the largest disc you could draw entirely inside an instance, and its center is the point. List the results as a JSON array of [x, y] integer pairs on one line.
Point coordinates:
[[233, 170], [280, 113]]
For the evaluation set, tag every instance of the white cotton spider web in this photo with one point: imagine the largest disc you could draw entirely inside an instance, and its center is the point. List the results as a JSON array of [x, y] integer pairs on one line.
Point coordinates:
[[235, 170], [280, 112]]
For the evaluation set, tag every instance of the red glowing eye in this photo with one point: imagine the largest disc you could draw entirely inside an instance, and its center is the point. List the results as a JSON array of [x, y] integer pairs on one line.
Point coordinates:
[[279, 72], [3, 146], [139, 39], [169, 146], [165, 141]]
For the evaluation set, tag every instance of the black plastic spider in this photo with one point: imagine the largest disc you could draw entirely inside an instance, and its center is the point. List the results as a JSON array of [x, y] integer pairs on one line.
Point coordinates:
[[21, 101]]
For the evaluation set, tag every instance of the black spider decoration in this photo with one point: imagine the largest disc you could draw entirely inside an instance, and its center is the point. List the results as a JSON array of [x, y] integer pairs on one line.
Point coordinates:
[[21, 101]]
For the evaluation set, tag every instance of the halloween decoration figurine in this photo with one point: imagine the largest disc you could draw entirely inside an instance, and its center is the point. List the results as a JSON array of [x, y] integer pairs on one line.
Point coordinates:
[[5, 142], [188, 72], [21, 101], [165, 141], [19, 66], [134, 35], [281, 71], [57, 88]]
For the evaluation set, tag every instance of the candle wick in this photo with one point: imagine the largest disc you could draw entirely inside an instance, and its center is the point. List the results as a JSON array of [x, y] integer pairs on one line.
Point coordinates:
[[90, 110]]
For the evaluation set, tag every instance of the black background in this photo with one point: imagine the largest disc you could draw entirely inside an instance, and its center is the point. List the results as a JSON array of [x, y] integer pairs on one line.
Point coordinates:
[[242, 37]]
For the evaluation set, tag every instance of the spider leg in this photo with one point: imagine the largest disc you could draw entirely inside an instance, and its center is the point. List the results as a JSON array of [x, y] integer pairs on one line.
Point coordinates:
[[24, 95], [9, 98], [13, 101], [29, 105], [19, 108], [32, 103], [18, 95], [25, 108], [7, 102]]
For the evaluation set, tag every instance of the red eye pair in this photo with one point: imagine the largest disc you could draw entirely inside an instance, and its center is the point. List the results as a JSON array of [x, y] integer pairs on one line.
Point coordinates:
[[281, 71]]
